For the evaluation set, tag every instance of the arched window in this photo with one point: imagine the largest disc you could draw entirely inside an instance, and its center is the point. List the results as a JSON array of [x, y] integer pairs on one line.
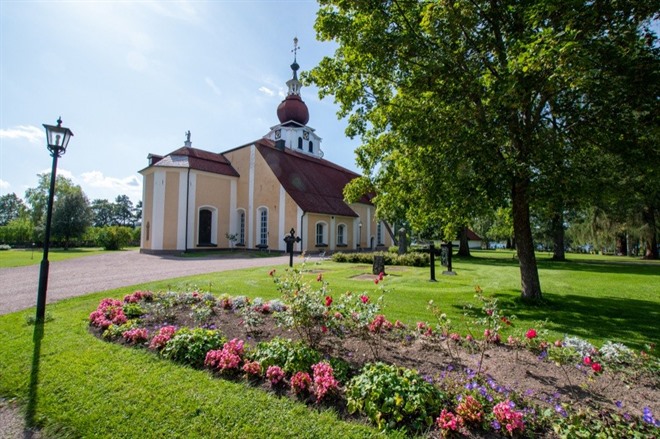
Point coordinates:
[[262, 214], [341, 234], [300, 143], [311, 146], [241, 227], [205, 227], [321, 237]]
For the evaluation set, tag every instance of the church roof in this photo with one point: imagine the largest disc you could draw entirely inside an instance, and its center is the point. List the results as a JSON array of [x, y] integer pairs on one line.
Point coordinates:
[[198, 159], [316, 185]]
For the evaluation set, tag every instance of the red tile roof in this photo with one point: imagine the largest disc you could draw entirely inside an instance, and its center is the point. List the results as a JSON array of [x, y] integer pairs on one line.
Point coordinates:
[[198, 159], [316, 185]]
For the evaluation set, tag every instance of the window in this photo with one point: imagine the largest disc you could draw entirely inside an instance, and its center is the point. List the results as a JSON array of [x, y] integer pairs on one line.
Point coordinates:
[[320, 234], [311, 146], [300, 143], [341, 234], [205, 226], [263, 226], [241, 227], [379, 233]]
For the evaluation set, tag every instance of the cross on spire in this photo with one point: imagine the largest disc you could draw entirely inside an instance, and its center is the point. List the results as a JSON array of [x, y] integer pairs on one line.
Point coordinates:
[[295, 48]]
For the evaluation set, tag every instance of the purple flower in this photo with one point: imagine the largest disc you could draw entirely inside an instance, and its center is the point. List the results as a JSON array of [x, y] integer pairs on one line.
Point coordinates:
[[559, 409], [542, 355], [428, 379], [618, 404], [648, 416], [496, 425]]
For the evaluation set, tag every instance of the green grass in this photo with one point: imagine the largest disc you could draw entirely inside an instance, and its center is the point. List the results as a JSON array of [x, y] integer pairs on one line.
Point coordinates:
[[23, 257], [88, 388]]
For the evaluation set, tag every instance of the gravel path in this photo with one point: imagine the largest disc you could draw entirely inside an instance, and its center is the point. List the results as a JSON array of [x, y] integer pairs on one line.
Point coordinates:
[[79, 276]]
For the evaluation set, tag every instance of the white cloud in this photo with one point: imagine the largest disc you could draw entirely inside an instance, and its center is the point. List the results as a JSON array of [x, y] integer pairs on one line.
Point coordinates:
[[131, 185], [4, 184], [29, 132], [267, 91], [60, 171], [214, 87]]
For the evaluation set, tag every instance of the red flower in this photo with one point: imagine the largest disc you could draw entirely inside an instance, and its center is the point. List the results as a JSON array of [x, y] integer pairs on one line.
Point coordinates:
[[324, 329], [328, 300], [531, 334], [489, 312], [596, 367], [376, 281], [587, 360], [380, 276], [319, 278], [364, 298], [558, 343], [271, 272]]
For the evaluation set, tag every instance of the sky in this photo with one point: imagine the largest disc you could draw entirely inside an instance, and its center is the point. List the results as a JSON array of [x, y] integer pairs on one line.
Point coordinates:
[[129, 78]]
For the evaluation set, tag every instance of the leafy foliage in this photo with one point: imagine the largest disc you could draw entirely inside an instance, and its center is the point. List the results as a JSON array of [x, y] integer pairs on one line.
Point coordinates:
[[190, 346]]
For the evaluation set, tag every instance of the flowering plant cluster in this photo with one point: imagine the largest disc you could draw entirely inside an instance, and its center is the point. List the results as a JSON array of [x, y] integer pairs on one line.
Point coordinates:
[[449, 422], [109, 312], [136, 296], [301, 383], [275, 375], [324, 380], [228, 358], [135, 335], [510, 420], [164, 335]]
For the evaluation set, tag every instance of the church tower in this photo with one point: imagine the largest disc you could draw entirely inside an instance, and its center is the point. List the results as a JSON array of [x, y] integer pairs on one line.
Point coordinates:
[[292, 131]]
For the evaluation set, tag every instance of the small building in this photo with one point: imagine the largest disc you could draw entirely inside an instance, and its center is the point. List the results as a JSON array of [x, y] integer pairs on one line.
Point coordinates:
[[252, 195]]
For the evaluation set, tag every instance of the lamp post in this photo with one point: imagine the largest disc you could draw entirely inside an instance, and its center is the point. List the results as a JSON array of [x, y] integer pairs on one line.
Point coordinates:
[[359, 243], [57, 139]]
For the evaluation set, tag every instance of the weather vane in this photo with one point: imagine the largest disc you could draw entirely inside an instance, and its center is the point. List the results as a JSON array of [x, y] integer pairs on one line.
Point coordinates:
[[295, 48]]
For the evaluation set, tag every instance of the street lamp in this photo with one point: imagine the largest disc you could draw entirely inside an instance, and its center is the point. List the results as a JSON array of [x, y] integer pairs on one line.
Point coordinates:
[[359, 243], [57, 139]]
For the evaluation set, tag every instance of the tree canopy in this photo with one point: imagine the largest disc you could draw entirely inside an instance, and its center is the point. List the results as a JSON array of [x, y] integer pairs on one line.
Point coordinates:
[[465, 106]]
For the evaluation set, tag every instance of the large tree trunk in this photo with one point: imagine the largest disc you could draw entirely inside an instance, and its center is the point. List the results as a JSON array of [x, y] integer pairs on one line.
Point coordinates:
[[463, 245], [522, 230], [651, 235], [558, 253], [621, 244]]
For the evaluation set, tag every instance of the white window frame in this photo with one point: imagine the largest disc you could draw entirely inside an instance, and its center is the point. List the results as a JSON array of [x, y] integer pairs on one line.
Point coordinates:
[[321, 239]]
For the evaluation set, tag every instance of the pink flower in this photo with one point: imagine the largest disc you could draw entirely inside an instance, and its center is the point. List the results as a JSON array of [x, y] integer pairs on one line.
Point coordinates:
[[381, 275], [531, 334], [596, 367], [275, 375], [338, 315], [301, 382], [324, 329], [512, 420], [364, 298], [470, 410], [587, 361], [489, 312], [558, 343], [328, 300], [447, 421], [252, 368], [324, 380]]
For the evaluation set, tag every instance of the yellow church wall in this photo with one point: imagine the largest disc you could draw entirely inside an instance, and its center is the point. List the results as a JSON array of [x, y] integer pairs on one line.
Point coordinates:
[[266, 194], [213, 190], [148, 203], [171, 210], [240, 160]]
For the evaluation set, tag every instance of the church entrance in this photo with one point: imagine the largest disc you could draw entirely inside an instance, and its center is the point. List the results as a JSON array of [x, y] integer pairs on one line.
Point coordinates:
[[205, 227]]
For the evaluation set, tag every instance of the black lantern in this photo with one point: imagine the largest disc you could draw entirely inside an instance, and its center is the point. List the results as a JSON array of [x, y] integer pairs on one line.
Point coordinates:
[[57, 139]]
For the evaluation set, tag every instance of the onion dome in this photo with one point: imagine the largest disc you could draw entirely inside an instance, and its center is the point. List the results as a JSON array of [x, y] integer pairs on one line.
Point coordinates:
[[293, 108]]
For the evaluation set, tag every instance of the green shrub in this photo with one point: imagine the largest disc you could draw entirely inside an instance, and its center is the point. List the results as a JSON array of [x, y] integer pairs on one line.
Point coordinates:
[[409, 259], [189, 346], [290, 356], [114, 237], [394, 397], [133, 310]]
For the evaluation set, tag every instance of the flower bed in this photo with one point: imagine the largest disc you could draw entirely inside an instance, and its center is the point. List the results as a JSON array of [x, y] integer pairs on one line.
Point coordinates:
[[341, 351]]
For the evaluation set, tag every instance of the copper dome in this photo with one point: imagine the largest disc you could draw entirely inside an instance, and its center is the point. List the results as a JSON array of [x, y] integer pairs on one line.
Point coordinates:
[[293, 108]]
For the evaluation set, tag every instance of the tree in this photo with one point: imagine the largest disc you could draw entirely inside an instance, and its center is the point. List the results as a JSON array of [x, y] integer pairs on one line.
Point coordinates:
[[37, 197], [103, 213], [11, 208], [71, 216], [124, 211], [454, 100]]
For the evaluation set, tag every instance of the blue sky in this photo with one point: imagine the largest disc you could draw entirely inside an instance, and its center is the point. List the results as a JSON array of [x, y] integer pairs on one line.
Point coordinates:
[[130, 78]]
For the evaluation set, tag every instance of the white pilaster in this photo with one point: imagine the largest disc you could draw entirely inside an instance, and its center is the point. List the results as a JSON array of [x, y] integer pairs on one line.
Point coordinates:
[[282, 216], [233, 213], [332, 233], [158, 212], [181, 210], [192, 209], [250, 227]]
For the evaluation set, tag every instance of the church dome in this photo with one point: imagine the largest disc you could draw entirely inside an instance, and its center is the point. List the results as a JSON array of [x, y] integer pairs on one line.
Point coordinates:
[[293, 108]]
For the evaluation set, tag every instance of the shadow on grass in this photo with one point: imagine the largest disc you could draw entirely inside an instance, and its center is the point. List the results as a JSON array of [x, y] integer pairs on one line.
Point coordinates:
[[633, 268], [30, 421], [625, 320]]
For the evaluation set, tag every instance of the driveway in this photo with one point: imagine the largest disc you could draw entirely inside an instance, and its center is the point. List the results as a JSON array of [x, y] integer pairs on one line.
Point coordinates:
[[80, 276]]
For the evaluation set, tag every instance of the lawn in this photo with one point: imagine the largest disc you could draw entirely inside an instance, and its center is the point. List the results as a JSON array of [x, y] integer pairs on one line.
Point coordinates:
[[84, 387], [23, 257]]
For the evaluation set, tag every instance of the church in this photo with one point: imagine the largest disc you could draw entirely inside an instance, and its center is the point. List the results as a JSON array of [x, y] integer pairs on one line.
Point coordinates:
[[254, 195]]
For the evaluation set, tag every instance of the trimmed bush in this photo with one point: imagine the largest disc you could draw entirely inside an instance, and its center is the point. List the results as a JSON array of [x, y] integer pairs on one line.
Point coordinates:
[[408, 259]]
